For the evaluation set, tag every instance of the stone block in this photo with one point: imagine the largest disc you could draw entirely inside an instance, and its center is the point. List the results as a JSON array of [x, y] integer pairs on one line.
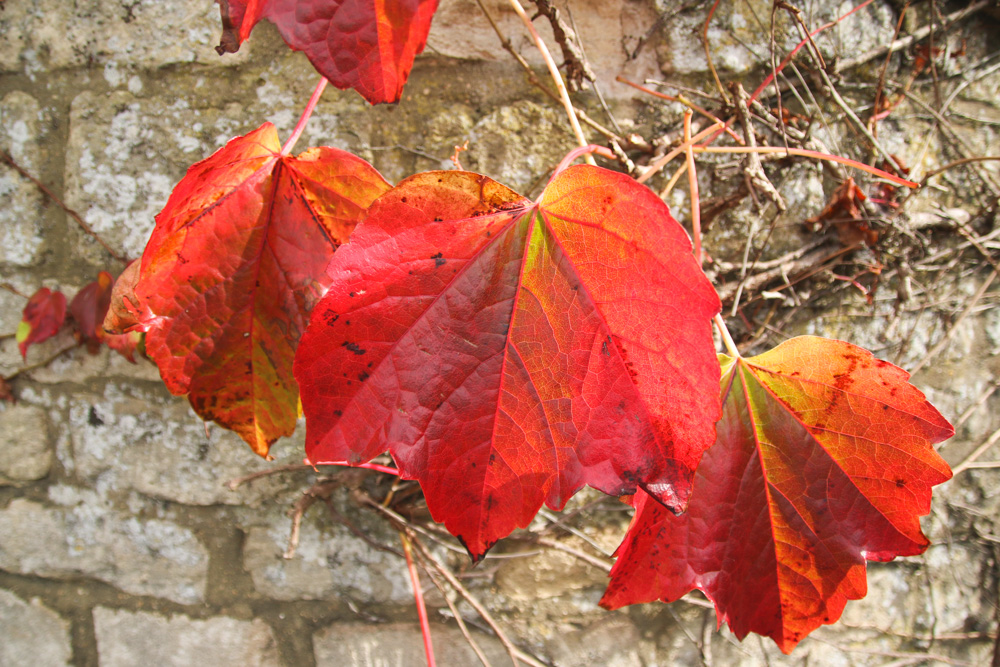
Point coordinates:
[[42, 35], [612, 642], [32, 634], [87, 538], [519, 143], [126, 638], [329, 563], [127, 151], [605, 27], [21, 214], [552, 574], [358, 645], [138, 437], [26, 455]]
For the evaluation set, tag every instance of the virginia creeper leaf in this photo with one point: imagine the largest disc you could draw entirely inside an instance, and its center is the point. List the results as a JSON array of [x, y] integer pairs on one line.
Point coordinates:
[[234, 265], [823, 459], [89, 308], [367, 45], [508, 352], [41, 319]]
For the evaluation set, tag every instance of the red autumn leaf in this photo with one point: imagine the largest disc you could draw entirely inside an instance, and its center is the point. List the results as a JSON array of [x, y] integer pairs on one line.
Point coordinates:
[[508, 352], [89, 308], [6, 393], [823, 459], [234, 265], [41, 319], [124, 310], [844, 212], [367, 45]]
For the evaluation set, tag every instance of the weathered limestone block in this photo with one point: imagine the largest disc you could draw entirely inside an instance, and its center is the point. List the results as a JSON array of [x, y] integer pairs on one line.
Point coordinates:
[[21, 214], [26, 455], [124, 156], [329, 563], [41, 35], [553, 575], [360, 645], [139, 437], [613, 641], [609, 30], [519, 143], [125, 638], [86, 538], [81, 367], [32, 634], [734, 26], [126, 151]]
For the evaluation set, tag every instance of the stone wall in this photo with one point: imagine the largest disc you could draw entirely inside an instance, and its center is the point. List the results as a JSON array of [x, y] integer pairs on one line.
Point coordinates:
[[119, 541]]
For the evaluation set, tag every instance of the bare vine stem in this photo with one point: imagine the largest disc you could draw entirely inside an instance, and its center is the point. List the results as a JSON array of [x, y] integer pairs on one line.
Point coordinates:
[[70, 212], [556, 78], [693, 184]]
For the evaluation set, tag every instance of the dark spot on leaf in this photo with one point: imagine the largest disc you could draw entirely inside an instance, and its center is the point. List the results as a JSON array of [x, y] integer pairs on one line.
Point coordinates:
[[439, 259], [351, 295], [363, 376], [604, 349], [329, 316], [438, 218], [338, 413], [353, 347], [402, 199], [900, 483]]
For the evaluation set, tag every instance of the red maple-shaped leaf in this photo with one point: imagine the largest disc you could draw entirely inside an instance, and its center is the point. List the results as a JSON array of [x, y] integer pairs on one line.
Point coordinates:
[[508, 352], [823, 459], [367, 45], [41, 319], [234, 265], [89, 308]]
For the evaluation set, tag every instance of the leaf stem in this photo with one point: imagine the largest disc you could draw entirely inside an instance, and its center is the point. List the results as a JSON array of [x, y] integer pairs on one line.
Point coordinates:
[[377, 467], [556, 77], [297, 132], [603, 151], [727, 338], [418, 597]]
